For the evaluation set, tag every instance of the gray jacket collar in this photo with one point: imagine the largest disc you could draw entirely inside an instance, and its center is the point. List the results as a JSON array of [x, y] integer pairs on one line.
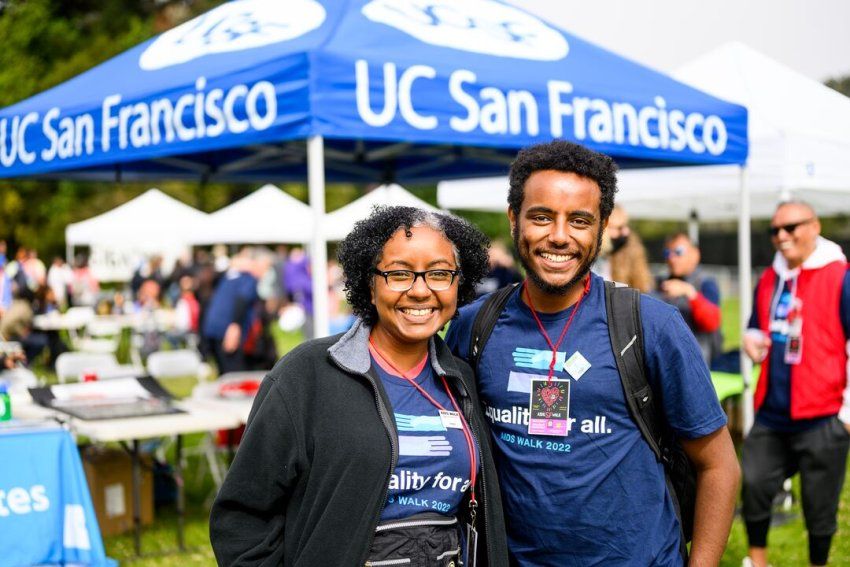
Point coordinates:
[[351, 352]]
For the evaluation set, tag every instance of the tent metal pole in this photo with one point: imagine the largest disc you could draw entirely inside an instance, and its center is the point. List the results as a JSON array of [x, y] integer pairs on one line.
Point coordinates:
[[318, 244], [693, 227], [745, 291]]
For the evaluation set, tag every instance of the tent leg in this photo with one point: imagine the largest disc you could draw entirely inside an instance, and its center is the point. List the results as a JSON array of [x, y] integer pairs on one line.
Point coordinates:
[[693, 227], [318, 245], [745, 291], [201, 192]]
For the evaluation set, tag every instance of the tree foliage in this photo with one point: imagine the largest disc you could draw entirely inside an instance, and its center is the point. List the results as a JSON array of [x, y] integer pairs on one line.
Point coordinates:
[[44, 43], [841, 84]]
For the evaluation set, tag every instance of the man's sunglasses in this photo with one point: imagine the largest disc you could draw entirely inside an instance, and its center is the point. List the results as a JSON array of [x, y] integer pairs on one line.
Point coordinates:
[[677, 251], [789, 228]]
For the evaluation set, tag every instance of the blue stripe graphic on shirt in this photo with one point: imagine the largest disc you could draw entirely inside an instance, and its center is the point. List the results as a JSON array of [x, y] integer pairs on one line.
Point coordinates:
[[521, 382], [538, 359], [434, 446], [406, 422]]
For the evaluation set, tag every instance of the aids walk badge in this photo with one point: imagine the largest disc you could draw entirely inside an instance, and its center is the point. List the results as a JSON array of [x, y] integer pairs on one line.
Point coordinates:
[[549, 407]]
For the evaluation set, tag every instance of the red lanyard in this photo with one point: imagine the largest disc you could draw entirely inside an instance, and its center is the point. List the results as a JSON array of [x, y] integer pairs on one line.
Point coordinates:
[[543, 332], [467, 434]]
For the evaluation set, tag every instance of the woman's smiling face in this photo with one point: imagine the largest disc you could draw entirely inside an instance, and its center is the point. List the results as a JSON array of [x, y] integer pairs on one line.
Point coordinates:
[[415, 315]]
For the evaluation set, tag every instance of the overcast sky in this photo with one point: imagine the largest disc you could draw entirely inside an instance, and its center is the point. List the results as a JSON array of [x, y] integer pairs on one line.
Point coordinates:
[[812, 37]]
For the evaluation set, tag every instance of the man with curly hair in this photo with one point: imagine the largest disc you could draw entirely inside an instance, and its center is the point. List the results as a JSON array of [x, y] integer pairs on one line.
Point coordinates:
[[580, 484]]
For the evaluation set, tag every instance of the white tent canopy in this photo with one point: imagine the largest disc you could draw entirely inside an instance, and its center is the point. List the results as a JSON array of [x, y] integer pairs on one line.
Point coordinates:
[[152, 223], [339, 223], [151, 219], [799, 132], [482, 194], [268, 215]]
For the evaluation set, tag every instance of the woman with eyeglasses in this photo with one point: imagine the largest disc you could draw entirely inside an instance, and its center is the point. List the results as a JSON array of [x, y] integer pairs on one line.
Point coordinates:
[[370, 448]]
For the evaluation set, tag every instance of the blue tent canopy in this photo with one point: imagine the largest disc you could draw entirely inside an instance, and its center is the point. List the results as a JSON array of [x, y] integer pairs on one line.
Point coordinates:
[[405, 90], [381, 90]]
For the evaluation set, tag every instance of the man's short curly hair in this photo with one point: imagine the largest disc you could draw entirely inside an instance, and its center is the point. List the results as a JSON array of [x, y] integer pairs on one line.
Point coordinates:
[[560, 155], [360, 252]]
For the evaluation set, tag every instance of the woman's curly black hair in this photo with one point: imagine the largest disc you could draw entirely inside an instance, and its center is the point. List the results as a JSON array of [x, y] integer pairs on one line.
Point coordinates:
[[360, 252]]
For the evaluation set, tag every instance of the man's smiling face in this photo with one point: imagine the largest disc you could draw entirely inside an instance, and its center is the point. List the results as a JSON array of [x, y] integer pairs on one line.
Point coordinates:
[[798, 232], [557, 231]]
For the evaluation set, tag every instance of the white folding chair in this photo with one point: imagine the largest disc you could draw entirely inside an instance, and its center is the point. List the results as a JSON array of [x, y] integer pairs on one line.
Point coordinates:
[[102, 335], [74, 319], [177, 363], [79, 316], [181, 363], [19, 379], [71, 365], [210, 446]]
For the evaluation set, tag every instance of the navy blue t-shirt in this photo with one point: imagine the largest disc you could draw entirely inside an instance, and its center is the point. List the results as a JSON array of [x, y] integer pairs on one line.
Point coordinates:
[[596, 496], [432, 473], [775, 411]]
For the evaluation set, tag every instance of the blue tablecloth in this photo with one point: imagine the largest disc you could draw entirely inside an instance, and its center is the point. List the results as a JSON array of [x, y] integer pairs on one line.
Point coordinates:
[[46, 512]]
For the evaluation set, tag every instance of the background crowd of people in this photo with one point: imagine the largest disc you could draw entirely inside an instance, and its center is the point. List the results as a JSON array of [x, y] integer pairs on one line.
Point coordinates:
[[210, 292], [223, 305]]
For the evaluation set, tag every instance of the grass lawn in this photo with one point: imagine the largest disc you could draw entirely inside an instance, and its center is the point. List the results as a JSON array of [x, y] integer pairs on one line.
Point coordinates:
[[731, 330], [787, 542]]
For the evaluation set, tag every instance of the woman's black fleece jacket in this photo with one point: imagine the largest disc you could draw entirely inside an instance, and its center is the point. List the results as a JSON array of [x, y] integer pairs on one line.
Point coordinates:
[[311, 475]]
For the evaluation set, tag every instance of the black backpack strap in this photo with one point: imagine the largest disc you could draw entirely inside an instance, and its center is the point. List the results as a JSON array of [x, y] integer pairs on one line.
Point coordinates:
[[624, 327], [484, 322]]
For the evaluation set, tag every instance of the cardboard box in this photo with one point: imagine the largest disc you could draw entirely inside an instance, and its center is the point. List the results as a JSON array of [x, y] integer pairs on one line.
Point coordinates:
[[109, 473]]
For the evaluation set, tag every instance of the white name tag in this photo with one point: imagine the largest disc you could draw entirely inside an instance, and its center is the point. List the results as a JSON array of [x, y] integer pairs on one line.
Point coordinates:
[[451, 419]]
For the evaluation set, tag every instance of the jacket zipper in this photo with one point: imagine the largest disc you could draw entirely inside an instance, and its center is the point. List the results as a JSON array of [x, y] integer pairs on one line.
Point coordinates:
[[390, 428], [393, 460], [385, 562], [414, 523]]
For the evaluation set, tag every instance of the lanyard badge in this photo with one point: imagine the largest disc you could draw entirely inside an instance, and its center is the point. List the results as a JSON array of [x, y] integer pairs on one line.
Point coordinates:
[[549, 407], [470, 554], [794, 342], [549, 401]]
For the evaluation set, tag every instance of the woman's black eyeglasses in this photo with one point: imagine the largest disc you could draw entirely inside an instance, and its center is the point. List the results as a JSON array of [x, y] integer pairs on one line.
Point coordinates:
[[789, 228], [403, 280]]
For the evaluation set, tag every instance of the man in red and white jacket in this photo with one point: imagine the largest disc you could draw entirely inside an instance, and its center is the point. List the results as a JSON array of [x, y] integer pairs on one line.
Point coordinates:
[[798, 331], [695, 294]]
